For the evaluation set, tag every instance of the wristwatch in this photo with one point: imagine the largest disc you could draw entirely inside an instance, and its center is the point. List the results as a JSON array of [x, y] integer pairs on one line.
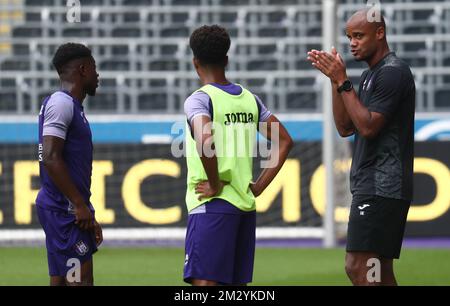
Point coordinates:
[[347, 86]]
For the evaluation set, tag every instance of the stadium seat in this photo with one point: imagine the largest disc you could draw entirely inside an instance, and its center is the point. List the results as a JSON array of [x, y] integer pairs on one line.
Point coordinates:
[[30, 32], [163, 65], [152, 101], [442, 97], [103, 101], [15, 64], [264, 65], [114, 65], [175, 31], [301, 100], [137, 2], [9, 101], [126, 32], [77, 32], [267, 35]]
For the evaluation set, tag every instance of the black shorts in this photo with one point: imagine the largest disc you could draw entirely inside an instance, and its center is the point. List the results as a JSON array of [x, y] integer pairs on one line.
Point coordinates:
[[377, 225]]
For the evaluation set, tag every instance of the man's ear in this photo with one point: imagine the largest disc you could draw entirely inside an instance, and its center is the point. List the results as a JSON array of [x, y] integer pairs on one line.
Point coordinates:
[[82, 69], [196, 63], [380, 33]]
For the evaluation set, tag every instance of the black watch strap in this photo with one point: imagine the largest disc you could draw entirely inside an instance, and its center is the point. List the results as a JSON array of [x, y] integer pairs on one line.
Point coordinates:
[[346, 86]]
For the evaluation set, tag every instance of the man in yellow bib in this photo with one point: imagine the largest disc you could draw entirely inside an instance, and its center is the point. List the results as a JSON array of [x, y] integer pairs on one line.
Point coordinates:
[[223, 119]]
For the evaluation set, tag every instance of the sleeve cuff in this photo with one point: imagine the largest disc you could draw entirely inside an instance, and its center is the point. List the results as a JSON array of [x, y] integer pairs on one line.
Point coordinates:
[[55, 134]]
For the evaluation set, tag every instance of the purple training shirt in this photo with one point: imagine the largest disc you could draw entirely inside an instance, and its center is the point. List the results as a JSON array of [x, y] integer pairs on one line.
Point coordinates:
[[62, 116]]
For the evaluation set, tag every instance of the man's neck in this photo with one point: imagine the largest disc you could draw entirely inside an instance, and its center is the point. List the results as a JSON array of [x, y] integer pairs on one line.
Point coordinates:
[[215, 76], [73, 90], [378, 56]]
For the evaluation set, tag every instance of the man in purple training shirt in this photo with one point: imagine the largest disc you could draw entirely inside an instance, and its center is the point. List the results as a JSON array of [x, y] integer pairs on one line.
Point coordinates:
[[65, 160]]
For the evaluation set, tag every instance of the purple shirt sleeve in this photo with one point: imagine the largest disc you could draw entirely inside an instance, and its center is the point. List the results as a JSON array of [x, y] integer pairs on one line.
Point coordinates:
[[197, 104], [58, 115], [264, 113]]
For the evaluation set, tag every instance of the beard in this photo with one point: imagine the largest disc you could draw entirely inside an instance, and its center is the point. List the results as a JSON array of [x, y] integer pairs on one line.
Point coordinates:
[[91, 87], [91, 91]]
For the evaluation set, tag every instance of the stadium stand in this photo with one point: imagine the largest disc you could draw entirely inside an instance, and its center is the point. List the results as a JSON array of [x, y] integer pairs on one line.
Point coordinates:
[[142, 52]]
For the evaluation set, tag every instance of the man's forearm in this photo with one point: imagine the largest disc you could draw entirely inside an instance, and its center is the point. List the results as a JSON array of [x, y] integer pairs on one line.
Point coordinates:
[[211, 169], [268, 174], [58, 172], [342, 120], [358, 113], [208, 157]]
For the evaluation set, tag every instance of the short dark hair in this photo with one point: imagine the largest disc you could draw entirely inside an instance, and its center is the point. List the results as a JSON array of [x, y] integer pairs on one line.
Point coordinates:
[[210, 44], [68, 52]]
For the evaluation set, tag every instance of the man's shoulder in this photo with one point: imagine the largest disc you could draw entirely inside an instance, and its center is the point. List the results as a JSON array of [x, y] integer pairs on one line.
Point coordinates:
[[60, 100], [197, 97], [364, 73], [395, 71], [396, 64]]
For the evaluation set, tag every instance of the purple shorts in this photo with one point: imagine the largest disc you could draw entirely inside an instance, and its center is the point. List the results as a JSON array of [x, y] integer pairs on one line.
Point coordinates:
[[64, 241], [220, 245]]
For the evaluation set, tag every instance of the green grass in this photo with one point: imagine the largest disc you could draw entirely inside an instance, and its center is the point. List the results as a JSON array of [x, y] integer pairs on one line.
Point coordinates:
[[163, 266]]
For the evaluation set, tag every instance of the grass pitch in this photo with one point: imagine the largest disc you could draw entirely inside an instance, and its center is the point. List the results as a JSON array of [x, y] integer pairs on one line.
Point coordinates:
[[273, 266]]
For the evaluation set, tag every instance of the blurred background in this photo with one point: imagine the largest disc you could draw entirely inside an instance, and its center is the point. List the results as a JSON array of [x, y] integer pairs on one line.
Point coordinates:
[[138, 185]]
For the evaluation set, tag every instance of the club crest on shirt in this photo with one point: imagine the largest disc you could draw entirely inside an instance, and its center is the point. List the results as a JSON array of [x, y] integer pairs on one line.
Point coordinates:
[[81, 248]]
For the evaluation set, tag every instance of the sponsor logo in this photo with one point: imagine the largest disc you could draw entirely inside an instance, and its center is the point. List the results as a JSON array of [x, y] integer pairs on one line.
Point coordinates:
[[361, 208], [238, 118], [368, 85], [40, 152]]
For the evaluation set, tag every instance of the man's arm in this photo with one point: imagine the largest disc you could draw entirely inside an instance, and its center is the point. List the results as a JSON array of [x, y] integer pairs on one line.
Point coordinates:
[[201, 126], [281, 142], [384, 101], [342, 119], [57, 170], [368, 123]]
